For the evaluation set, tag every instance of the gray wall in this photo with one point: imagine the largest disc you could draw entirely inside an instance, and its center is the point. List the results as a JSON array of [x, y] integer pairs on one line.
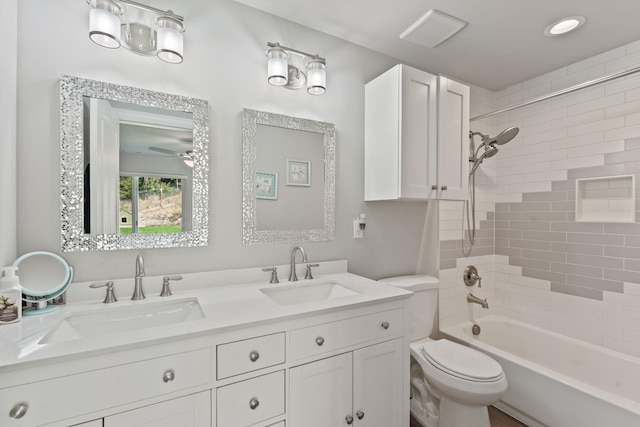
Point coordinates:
[[8, 31], [224, 64]]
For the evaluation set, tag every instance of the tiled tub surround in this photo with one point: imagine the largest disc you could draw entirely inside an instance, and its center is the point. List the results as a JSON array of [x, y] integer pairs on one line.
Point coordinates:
[[581, 279]]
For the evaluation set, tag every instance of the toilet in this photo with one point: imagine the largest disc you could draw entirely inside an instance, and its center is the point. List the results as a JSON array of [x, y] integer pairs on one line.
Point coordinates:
[[451, 384]]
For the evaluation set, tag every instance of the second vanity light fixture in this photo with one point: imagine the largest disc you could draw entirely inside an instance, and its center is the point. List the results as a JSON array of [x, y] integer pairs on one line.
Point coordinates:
[[140, 28], [284, 68]]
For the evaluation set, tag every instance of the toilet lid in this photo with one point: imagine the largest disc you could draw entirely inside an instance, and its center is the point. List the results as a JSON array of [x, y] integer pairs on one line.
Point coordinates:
[[461, 361]]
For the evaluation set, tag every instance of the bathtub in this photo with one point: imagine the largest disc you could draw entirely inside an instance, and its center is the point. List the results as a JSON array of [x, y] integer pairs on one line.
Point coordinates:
[[554, 380]]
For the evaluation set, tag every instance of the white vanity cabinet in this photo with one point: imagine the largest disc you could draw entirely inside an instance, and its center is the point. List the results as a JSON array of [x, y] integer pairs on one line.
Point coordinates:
[[416, 137], [363, 388], [319, 367]]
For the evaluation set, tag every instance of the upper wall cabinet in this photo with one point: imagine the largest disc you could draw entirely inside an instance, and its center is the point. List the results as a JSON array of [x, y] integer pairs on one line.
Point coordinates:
[[416, 137]]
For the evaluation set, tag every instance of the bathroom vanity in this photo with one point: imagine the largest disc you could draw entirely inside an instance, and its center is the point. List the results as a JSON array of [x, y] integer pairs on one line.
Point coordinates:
[[226, 349]]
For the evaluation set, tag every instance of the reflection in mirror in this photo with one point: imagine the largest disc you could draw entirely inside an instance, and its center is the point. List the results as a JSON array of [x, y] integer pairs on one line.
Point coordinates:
[[134, 167], [288, 179], [137, 165]]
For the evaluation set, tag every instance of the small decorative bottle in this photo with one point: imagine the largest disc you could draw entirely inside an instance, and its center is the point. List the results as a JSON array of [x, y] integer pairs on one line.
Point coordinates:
[[10, 296]]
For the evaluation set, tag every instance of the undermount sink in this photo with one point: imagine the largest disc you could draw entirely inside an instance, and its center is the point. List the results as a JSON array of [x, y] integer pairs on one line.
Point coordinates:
[[302, 293], [109, 321]]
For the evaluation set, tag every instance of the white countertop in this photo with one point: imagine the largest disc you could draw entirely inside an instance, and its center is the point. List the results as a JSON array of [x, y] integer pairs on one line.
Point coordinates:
[[226, 301]]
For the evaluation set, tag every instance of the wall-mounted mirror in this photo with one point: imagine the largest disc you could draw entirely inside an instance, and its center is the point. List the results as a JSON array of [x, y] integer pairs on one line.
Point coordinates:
[[134, 167], [288, 179]]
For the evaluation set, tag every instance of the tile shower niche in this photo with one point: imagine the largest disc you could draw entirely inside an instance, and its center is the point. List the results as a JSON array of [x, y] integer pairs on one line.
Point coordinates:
[[606, 199]]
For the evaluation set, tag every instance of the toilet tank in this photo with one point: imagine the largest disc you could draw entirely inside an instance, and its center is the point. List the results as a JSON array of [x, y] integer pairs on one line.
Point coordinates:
[[423, 302]]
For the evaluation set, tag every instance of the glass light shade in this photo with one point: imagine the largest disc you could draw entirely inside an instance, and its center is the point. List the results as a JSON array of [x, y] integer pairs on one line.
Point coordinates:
[[170, 40], [277, 67], [316, 77], [104, 28]]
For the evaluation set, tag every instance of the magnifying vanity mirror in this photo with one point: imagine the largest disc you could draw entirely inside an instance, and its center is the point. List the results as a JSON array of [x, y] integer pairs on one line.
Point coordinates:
[[288, 178], [134, 167]]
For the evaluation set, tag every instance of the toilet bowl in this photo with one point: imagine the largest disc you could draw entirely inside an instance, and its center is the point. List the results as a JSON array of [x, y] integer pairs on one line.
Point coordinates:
[[451, 384]]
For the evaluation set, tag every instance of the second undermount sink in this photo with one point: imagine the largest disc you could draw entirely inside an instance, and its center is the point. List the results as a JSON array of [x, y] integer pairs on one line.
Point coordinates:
[[308, 292], [107, 321]]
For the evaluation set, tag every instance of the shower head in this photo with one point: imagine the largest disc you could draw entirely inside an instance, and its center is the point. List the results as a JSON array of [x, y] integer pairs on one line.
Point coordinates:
[[502, 138], [489, 151], [506, 135]]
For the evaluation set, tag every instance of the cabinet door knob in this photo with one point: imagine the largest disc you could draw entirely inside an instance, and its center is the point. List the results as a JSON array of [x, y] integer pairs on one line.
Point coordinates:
[[434, 187], [385, 325], [19, 410], [360, 415], [254, 403], [319, 341], [168, 376], [349, 419], [254, 356], [444, 188]]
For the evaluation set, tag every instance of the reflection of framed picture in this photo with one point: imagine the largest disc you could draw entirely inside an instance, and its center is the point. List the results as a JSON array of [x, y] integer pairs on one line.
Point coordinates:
[[298, 172], [267, 185]]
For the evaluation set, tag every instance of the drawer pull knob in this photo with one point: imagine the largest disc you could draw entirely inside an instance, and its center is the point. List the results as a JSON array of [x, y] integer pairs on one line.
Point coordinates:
[[254, 403], [254, 356], [385, 325], [349, 419], [319, 341], [168, 376], [444, 188], [19, 410], [360, 415]]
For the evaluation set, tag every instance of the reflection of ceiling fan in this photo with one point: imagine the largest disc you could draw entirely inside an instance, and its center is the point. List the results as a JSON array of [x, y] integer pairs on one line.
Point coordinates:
[[187, 156]]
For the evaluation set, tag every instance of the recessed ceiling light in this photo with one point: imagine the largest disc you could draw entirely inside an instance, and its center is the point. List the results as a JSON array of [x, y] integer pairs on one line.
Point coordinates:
[[565, 25]]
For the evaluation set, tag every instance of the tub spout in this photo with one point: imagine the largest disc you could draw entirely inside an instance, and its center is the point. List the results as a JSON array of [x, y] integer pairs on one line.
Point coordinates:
[[474, 299]]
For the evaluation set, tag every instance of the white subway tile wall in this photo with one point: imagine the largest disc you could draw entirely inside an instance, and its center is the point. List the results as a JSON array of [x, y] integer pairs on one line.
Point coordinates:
[[538, 264]]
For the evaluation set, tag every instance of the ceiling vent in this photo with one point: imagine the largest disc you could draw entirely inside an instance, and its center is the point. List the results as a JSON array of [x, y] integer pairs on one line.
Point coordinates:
[[433, 28]]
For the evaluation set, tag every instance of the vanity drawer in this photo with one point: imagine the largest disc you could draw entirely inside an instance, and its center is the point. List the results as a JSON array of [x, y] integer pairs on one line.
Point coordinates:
[[327, 337], [252, 401], [249, 355], [84, 393]]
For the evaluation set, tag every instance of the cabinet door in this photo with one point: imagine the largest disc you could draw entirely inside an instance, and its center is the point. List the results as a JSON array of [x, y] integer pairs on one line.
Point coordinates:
[[378, 385], [418, 134], [453, 140], [188, 411], [320, 392]]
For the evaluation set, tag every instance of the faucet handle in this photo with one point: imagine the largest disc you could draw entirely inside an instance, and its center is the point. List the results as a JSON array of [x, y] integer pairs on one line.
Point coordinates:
[[110, 297], [308, 275], [274, 274], [166, 290]]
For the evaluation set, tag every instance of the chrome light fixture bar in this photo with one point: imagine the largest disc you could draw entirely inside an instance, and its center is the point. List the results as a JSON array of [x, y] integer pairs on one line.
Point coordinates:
[[284, 68], [140, 28]]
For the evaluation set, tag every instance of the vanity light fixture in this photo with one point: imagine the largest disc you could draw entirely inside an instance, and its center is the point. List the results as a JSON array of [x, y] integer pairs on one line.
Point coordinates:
[[284, 68], [565, 25], [140, 28]]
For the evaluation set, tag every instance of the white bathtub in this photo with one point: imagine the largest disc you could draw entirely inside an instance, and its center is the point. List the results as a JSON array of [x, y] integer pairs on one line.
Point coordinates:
[[557, 381]]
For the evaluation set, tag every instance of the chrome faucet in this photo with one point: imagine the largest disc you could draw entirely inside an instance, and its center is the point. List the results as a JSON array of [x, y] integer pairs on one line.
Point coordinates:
[[138, 293], [293, 277], [474, 299]]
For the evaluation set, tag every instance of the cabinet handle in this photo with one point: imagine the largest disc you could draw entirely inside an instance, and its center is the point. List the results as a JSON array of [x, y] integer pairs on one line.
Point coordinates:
[[319, 341], [443, 188], [19, 410], [385, 325], [168, 376], [360, 415], [254, 403], [349, 419], [254, 356], [434, 187]]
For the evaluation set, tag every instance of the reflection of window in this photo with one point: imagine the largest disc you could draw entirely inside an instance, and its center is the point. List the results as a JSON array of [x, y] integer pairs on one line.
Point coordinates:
[[154, 204]]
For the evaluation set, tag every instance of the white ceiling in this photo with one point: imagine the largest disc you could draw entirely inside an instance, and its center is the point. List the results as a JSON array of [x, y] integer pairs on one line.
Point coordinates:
[[503, 43]]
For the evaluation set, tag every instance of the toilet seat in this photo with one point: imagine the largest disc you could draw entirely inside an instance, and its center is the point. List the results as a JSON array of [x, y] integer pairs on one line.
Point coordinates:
[[461, 361]]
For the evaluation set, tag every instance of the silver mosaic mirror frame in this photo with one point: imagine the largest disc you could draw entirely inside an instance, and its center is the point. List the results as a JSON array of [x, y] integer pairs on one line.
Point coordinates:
[[250, 233], [74, 239]]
